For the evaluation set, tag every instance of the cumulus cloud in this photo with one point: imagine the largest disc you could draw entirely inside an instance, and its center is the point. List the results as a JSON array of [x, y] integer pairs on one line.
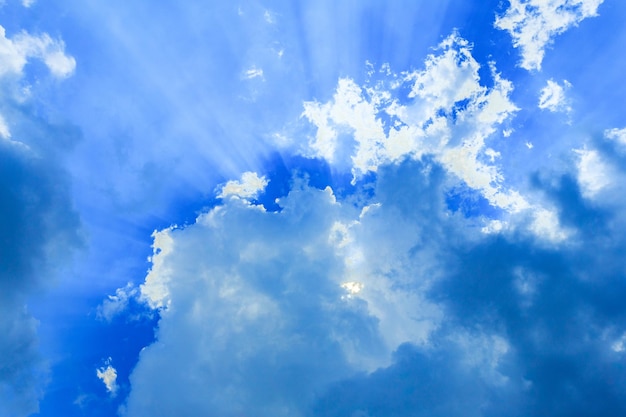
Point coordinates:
[[533, 24], [449, 115], [443, 111], [396, 308], [552, 97], [386, 301]]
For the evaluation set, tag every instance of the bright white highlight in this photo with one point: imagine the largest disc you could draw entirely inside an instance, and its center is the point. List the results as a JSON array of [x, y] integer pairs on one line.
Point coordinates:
[[534, 23]]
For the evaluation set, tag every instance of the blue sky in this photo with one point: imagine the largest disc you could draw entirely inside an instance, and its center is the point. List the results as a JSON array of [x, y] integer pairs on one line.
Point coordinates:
[[399, 208]]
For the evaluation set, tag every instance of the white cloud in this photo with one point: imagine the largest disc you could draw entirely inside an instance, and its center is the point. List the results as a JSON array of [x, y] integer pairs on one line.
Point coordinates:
[[618, 135], [545, 223], [253, 72], [533, 24], [249, 187], [447, 114], [108, 375], [5, 133], [155, 290], [552, 97], [28, 3], [116, 304], [450, 116], [593, 173], [15, 52]]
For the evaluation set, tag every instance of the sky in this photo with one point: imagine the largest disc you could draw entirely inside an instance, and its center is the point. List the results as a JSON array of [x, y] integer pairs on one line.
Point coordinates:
[[290, 208]]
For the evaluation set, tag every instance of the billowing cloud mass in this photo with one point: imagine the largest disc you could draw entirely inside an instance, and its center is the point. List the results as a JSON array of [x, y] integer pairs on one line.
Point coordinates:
[[533, 24], [312, 209], [38, 226], [391, 301]]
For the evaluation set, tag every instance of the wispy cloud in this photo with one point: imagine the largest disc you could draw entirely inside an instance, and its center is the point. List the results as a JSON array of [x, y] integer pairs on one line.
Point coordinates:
[[533, 24]]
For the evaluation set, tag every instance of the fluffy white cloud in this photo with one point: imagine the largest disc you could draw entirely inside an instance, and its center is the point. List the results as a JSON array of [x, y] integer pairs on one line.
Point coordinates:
[[248, 187], [593, 173], [552, 97], [108, 375], [15, 52], [449, 115], [534, 23]]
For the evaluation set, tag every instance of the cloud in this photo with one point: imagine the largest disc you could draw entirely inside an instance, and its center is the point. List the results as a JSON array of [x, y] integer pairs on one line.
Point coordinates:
[[38, 224], [533, 24], [552, 97], [256, 323], [116, 304], [15, 52], [593, 173], [443, 111], [39, 229], [253, 72], [5, 133], [399, 307], [108, 375], [618, 135], [449, 114], [249, 186]]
